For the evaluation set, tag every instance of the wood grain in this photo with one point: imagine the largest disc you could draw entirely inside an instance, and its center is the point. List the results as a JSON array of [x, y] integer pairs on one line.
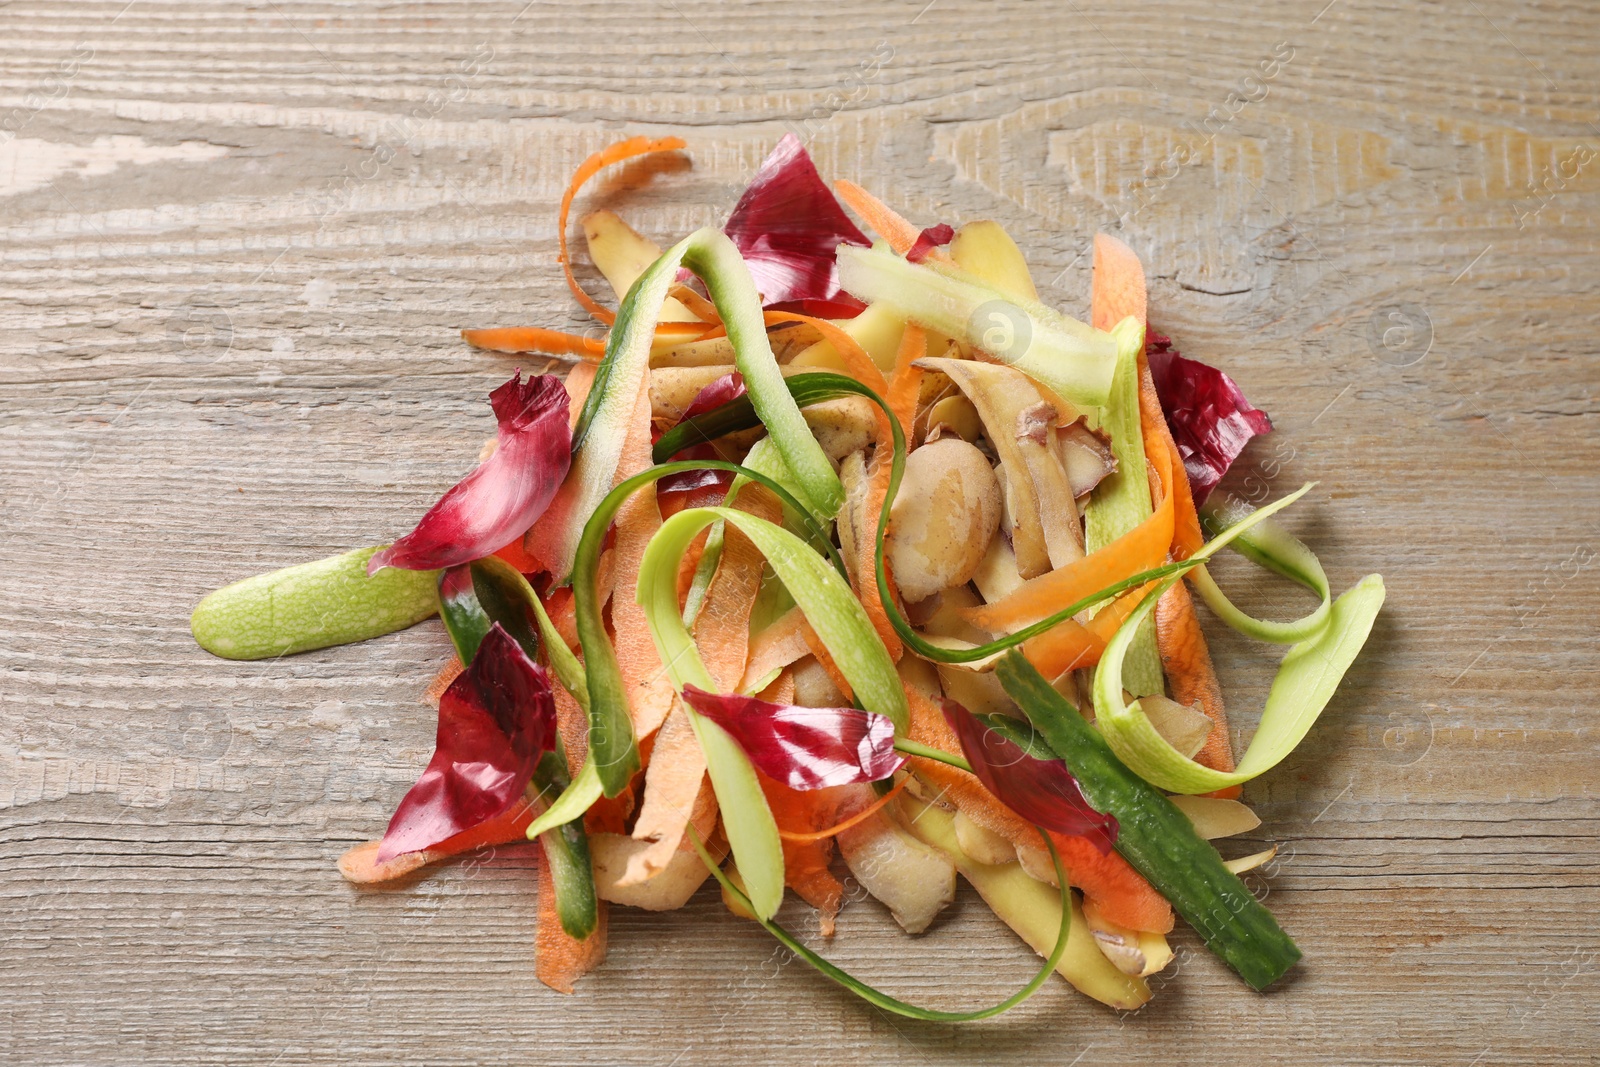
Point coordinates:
[[238, 241]]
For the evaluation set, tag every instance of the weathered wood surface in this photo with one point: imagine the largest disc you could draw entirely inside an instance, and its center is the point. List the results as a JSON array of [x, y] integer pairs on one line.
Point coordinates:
[[238, 241]]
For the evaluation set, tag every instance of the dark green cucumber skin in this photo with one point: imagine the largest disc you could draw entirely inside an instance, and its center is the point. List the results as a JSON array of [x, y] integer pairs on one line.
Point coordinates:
[[566, 849], [1155, 837], [464, 618]]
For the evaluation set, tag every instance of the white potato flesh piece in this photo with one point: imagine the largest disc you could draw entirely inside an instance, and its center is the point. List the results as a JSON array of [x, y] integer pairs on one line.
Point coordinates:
[[1214, 817], [850, 522], [917, 673], [911, 879], [985, 249], [1250, 862], [944, 515], [877, 330], [1036, 861], [666, 891], [973, 685], [980, 692], [1085, 455], [814, 687], [1134, 952], [954, 416], [1185, 728], [997, 575]]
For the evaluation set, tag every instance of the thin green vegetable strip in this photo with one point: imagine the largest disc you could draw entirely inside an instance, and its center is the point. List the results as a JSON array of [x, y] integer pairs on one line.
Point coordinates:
[[1305, 682], [573, 802], [597, 439], [613, 751], [1155, 837], [312, 605], [840, 623], [465, 621], [877, 997], [1122, 501], [1070, 358], [1271, 546], [566, 849]]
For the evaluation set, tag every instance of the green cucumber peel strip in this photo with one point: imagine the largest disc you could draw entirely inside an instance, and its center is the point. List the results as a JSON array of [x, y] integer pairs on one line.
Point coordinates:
[[312, 605], [1122, 500], [574, 801], [709, 253], [1154, 836], [1310, 672], [908, 747], [498, 593], [876, 997], [1270, 546], [462, 613], [566, 849], [1070, 358], [763, 458], [820, 386], [508, 598], [613, 750], [832, 610]]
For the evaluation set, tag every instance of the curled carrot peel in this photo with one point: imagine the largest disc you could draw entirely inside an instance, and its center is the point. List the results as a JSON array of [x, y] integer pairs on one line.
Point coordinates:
[[520, 339], [805, 861], [883, 220], [840, 827], [615, 153]]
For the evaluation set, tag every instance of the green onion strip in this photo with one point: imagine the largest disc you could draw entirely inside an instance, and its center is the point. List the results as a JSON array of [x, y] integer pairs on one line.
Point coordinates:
[[879, 998]]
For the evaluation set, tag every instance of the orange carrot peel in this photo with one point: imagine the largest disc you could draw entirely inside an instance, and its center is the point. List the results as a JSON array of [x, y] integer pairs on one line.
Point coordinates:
[[614, 153]]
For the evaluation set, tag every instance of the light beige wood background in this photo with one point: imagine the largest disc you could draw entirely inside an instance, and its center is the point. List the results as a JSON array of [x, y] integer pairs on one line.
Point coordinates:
[[238, 241]]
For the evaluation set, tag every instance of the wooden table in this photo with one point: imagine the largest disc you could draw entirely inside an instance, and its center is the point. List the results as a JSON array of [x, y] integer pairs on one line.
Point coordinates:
[[239, 241]]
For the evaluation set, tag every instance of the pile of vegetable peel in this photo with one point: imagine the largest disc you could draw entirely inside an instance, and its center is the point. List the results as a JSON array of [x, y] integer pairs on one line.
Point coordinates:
[[842, 550]]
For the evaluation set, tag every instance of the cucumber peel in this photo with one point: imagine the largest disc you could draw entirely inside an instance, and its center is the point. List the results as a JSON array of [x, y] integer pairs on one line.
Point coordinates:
[[1270, 546], [312, 605], [1071, 359], [841, 624], [1305, 682], [1155, 837], [597, 439]]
